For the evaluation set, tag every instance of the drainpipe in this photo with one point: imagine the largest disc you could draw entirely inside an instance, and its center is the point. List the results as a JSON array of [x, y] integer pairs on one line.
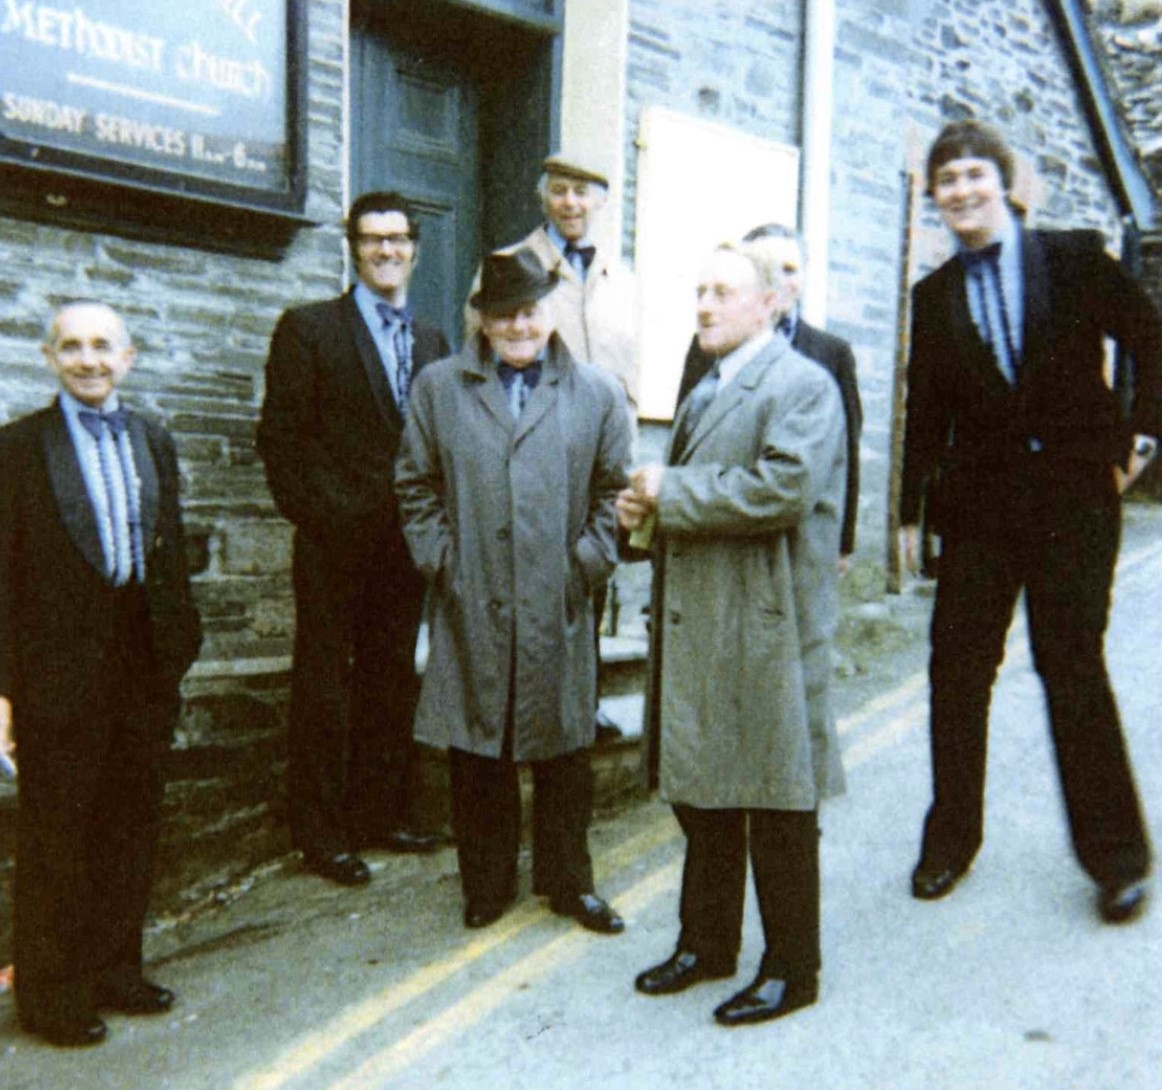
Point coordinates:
[[815, 169]]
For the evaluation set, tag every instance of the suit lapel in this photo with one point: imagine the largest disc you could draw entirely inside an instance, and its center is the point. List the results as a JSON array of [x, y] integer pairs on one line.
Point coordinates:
[[544, 397], [489, 391], [68, 488], [727, 401], [1037, 303], [977, 355], [371, 361], [147, 477]]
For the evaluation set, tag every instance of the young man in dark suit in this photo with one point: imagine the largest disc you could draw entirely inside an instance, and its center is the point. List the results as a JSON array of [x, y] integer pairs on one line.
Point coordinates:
[[97, 627], [337, 382], [1007, 396], [830, 352]]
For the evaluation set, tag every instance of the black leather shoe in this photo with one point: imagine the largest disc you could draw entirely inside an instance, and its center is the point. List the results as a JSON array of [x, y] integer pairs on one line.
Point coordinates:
[[134, 997], [590, 911], [1122, 901], [766, 998], [932, 883], [681, 970], [346, 869], [405, 842], [70, 1034], [482, 915], [607, 731]]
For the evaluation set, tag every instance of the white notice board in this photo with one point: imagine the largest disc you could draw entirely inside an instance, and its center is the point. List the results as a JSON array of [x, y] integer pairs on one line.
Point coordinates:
[[698, 184]]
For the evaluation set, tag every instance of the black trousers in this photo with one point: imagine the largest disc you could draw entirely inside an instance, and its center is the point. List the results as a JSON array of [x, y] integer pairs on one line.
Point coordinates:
[[90, 793], [784, 854], [351, 759], [1059, 543], [486, 818]]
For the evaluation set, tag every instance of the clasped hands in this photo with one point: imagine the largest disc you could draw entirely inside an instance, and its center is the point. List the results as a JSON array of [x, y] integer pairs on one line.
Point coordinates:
[[639, 502]]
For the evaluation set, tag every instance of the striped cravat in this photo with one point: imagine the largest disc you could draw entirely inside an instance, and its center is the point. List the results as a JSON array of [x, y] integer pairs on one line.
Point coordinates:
[[398, 322], [122, 497], [992, 312]]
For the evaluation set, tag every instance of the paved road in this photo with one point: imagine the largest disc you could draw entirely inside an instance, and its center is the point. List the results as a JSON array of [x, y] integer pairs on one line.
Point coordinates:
[[1010, 984]]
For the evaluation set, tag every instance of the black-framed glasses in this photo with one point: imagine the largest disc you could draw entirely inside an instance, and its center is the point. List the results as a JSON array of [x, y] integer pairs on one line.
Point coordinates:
[[370, 240]]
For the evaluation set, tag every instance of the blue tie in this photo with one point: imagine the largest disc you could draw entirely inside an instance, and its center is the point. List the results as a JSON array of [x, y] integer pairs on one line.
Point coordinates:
[[398, 322], [128, 546], [519, 383], [983, 268]]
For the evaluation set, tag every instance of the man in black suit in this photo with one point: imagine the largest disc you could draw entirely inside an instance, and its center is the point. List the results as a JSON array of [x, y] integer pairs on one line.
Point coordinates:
[[337, 382], [829, 351], [1007, 397], [97, 627]]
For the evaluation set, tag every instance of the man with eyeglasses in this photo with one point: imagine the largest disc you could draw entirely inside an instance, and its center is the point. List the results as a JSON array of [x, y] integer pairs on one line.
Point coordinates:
[[338, 377]]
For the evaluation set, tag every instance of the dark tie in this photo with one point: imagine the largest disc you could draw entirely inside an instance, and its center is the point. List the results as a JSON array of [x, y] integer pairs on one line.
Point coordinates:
[[983, 269], [575, 254], [128, 547], [518, 384], [698, 400], [398, 322]]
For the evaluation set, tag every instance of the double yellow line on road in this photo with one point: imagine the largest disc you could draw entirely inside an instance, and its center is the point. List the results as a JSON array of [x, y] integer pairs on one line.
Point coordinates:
[[890, 718]]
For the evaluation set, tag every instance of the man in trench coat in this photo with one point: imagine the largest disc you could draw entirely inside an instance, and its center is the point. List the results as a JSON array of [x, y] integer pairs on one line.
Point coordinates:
[[512, 459], [746, 518]]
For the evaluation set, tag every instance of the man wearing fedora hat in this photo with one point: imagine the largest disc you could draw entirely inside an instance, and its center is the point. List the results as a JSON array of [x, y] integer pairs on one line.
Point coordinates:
[[512, 459], [594, 305]]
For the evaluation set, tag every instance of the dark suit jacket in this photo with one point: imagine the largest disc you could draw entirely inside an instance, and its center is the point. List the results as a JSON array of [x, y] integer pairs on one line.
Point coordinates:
[[965, 420], [55, 632], [835, 355], [330, 428]]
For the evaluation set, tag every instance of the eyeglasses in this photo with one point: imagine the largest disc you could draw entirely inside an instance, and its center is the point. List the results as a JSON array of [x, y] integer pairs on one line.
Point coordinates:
[[372, 241]]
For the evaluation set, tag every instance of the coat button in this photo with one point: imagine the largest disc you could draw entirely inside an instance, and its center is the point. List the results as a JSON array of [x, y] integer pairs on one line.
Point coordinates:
[[675, 617], [503, 534]]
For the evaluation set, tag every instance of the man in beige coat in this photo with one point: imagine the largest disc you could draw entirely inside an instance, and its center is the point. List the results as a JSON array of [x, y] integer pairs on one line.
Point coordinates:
[[593, 307], [511, 464], [746, 518]]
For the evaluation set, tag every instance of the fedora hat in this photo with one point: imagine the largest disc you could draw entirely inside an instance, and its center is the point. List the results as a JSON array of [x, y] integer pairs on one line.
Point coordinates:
[[510, 279]]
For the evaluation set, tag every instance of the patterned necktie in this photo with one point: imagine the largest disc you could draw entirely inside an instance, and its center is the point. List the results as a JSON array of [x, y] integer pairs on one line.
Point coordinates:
[[128, 545], [398, 323], [698, 401], [519, 383], [580, 257], [984, 271]]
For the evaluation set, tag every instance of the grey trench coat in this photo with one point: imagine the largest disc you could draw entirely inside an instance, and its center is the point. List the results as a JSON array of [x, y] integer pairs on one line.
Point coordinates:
[[745, 593], [512, 523]]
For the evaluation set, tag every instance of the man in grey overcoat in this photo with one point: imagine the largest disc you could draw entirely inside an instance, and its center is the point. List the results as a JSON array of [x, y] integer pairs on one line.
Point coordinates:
[[512, 460], [745, 518]]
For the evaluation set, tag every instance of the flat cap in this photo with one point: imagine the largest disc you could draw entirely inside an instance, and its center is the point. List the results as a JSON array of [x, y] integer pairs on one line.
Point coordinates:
[[569, 165]]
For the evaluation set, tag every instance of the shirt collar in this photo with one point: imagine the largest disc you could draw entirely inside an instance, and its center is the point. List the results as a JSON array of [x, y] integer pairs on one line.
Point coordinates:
[[559, 240], [365, 300], [1007, 235], [72, 406], [733, 362]]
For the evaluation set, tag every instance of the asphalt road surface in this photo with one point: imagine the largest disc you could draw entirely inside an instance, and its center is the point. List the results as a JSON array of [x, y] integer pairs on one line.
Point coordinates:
[[1012, 983]]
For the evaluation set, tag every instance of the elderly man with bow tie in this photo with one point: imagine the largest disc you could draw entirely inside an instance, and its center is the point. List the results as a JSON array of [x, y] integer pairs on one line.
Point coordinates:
[[338, 379], [97, 627]]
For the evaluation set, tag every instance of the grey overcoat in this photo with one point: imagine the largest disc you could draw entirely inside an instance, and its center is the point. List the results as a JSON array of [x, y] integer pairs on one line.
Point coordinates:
[[512, 524], [746, 597]]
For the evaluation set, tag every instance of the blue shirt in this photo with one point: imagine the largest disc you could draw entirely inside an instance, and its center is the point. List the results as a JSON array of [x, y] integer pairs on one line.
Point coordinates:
[[559, 240], [105, 509], [365, 300], [1012, 284]]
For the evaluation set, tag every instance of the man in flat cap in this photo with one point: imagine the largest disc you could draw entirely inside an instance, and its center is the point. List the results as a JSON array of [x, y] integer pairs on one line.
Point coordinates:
[[512, 459], [593, 307]]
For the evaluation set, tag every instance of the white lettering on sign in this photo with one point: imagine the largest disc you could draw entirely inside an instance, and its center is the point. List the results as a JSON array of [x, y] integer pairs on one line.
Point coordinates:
[[250, 79], [140, 134], [42, 112], [74, 32], [243, 16]]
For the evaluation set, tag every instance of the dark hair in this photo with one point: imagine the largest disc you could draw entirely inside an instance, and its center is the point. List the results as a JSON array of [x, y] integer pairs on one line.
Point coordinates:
[[381, 201], [772, 230], [969, 139]]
